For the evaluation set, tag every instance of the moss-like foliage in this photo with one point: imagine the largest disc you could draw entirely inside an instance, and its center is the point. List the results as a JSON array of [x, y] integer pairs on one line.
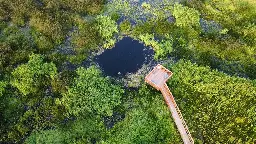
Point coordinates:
[[185, 17]]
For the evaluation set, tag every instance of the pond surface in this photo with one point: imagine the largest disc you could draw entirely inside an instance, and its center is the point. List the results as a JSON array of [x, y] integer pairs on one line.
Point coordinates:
[[127, 56]]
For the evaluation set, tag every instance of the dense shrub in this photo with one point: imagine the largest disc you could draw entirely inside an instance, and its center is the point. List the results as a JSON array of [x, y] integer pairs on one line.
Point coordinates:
[[15, 47], [147, 120], [237, 16], [91, 93], [29, 78], [217, 107], [86, 130], [106, 28]]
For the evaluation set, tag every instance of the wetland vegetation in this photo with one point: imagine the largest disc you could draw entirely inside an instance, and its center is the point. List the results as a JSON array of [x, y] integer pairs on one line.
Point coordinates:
[[73, 71]]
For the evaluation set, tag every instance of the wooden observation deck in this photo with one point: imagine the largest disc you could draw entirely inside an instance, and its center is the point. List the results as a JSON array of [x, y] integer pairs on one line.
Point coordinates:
[[157, 78]]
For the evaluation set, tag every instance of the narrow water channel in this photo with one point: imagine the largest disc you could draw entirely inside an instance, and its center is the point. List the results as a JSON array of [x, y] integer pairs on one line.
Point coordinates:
[[127, 56]]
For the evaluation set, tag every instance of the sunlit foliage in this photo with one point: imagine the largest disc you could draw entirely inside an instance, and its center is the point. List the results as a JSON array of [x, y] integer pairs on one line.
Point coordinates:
[[162, 49], [125, 27], [30, 77], [185, 17], [32, 81], [106, 28]]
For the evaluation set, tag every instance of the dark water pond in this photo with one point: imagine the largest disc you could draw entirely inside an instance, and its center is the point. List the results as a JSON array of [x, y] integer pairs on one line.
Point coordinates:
[[127, 56]]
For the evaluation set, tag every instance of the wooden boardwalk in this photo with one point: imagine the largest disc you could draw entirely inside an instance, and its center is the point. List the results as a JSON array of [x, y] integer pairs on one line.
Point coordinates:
[[157, 78]]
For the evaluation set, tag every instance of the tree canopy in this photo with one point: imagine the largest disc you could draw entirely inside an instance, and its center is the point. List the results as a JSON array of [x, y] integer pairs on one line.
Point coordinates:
[[53, 90], [28, 78], [91, 93]]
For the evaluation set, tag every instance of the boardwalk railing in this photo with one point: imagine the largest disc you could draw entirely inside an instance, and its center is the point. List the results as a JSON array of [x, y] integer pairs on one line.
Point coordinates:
[[168, 93], [157, 78]]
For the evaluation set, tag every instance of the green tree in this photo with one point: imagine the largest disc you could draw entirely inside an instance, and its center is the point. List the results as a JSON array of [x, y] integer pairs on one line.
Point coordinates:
[[147, 120], [185, 16], [162, 49], [53, 26], [33, 82], [80, 7], [29, 78], [11, 110], [85, 38], [85, 130], [55, 136], [106, 28], [125, 27], [232, 47], [91, 93], [16, 11], [43, 43]]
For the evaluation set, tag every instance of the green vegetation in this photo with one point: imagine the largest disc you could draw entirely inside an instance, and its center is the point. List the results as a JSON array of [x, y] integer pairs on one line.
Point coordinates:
[[2, 87], [147, 122], [15, 48], [237, 44], [48, 95], [106, 27], [81, 131], [29, 78], [91, 93], [223, 107]]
